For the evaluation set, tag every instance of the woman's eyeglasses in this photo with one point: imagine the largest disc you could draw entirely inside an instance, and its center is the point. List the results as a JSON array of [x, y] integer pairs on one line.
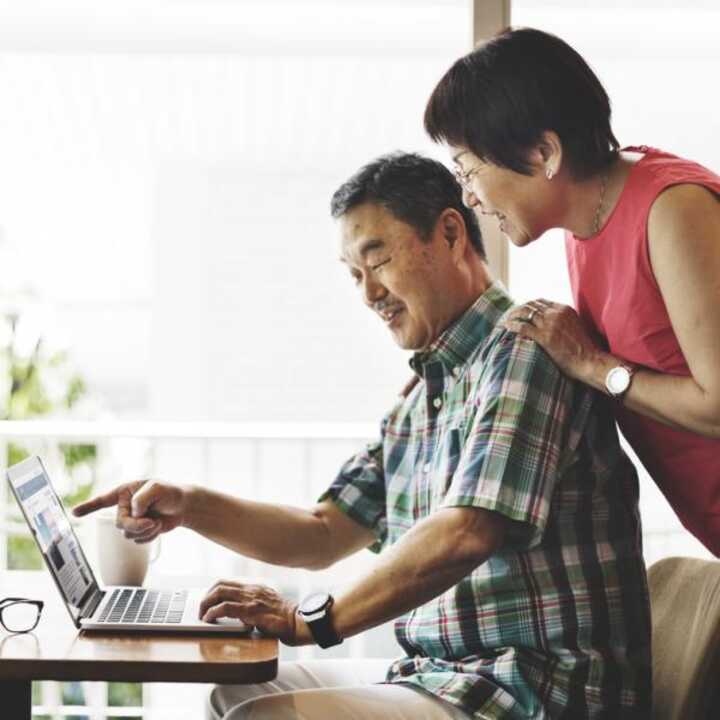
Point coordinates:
[[20, 615], [465, 178]]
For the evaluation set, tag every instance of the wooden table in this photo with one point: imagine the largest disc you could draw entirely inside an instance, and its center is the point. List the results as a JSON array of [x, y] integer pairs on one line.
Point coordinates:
[[57, 651]]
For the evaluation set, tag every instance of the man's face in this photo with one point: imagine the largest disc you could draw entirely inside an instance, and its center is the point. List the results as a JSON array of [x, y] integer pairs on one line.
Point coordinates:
[[407, 282]]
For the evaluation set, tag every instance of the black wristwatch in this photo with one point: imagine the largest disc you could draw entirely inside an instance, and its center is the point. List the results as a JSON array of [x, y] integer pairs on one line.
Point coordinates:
[[315, 611]]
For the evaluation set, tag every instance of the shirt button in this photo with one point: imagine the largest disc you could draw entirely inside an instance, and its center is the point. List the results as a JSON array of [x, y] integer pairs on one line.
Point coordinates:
[[437, 402], [456, 371], [426, 467]]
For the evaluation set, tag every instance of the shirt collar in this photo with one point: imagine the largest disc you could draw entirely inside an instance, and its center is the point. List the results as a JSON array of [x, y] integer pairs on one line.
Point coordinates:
[[460, 340]]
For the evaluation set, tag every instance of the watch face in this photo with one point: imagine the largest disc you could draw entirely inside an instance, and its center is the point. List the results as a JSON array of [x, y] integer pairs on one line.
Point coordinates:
[[618, 380], [313, 603]]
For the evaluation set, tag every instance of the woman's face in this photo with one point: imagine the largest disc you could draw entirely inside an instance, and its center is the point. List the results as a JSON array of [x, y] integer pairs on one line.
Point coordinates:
[[522, 204]]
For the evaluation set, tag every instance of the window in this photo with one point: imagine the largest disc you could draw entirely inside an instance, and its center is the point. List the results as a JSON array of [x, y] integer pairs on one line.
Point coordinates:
[[166, 177]]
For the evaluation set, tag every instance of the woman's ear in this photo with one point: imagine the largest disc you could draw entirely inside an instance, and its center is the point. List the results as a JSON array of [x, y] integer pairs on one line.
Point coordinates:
[[547, 155]]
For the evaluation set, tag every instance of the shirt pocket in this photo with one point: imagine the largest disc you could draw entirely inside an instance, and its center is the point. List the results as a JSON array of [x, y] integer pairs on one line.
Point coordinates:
[[445, 463]]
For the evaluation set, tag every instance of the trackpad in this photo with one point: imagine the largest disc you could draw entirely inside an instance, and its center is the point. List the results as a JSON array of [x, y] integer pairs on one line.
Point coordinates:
[[235, 622]]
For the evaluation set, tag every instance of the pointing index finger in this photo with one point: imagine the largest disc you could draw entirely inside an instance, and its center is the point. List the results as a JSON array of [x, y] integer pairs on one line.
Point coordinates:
[[99, 502]]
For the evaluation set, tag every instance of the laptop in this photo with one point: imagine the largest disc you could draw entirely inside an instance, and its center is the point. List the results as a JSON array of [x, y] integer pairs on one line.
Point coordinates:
[[91, 607]]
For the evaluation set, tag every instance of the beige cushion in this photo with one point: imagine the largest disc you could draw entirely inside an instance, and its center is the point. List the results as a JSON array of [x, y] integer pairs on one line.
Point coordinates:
[[685, 599]]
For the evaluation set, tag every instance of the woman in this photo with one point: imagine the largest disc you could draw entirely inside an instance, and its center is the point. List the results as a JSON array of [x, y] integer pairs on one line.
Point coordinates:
[[528, 125]]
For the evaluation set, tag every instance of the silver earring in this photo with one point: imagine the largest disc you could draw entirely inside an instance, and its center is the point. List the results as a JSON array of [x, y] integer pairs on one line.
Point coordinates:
[[549, 174]]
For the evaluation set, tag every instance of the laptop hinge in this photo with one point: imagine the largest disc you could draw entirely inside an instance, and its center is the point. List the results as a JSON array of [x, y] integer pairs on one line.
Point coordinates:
[[89, 607]]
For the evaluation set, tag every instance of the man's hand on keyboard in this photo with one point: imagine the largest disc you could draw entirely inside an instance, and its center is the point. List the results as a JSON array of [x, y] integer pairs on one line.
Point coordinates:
[[145, 508], [256, 605]]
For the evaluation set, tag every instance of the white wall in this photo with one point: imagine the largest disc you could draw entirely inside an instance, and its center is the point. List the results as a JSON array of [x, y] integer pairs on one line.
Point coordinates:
[[166, 179], [247, 256]]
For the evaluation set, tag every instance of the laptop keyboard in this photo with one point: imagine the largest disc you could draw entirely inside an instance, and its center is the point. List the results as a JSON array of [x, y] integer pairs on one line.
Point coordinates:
[[142, 606]]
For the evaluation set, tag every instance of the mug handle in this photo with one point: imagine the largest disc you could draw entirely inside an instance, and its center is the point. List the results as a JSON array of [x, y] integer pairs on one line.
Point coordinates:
[[156, 552]]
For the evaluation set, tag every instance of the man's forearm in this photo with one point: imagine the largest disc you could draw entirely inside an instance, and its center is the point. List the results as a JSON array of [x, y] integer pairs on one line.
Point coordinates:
[[276, 534], [432, 557]]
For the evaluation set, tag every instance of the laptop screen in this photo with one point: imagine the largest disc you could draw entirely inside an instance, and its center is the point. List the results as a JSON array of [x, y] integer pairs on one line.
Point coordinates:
[[55, 537]]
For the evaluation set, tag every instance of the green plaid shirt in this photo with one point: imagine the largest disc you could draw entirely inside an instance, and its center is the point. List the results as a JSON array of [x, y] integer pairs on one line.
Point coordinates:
[[557, 623]]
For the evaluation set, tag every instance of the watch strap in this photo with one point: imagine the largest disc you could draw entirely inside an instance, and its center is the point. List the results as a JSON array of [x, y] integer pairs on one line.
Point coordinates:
[[321, 627]]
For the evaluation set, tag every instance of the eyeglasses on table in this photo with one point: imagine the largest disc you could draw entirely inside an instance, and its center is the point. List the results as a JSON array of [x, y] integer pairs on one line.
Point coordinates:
[[20, 615]]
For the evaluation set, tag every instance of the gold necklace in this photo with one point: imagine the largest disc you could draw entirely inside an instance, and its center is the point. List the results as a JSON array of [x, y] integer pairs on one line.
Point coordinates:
[[603, 186]]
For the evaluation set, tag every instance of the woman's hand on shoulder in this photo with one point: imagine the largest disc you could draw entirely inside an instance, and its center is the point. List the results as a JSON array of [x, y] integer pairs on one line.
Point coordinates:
[[562, 334]]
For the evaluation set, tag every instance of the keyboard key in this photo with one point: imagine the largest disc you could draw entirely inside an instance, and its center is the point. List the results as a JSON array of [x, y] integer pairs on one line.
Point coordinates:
[[119, 608], [108, 606], [145, 606]]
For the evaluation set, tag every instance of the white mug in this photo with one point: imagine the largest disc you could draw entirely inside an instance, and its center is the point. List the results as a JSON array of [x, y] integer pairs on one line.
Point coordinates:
[[122, 561]]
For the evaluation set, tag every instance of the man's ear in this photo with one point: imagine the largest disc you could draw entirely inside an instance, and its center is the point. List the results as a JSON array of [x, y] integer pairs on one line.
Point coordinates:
[[452, 226]]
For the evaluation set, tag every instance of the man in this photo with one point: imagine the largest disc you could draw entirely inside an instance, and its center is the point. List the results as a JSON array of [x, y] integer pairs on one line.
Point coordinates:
[[503, 509]]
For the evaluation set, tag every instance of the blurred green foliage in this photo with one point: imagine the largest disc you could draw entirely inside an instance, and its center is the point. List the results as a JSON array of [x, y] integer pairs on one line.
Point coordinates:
[[72, 693], [35, 382], [23, 554], [125, 694]]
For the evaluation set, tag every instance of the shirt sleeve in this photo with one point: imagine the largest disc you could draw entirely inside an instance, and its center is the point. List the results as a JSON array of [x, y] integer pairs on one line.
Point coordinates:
[[510, 458], [359, 490]]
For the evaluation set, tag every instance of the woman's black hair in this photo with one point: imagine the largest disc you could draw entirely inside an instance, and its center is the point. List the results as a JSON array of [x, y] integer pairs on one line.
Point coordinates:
[[499, 99]]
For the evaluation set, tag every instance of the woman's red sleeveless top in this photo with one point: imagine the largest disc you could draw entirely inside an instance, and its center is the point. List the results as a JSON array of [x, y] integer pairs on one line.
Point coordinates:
[[616, 294]]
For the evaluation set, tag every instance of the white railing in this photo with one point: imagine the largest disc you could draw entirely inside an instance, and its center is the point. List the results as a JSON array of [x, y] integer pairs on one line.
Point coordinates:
[[90, 431], [202, 434], [202, 437]]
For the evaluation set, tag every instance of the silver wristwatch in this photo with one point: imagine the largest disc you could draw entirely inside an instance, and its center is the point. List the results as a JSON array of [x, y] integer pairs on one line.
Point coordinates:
[[618, 379]]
